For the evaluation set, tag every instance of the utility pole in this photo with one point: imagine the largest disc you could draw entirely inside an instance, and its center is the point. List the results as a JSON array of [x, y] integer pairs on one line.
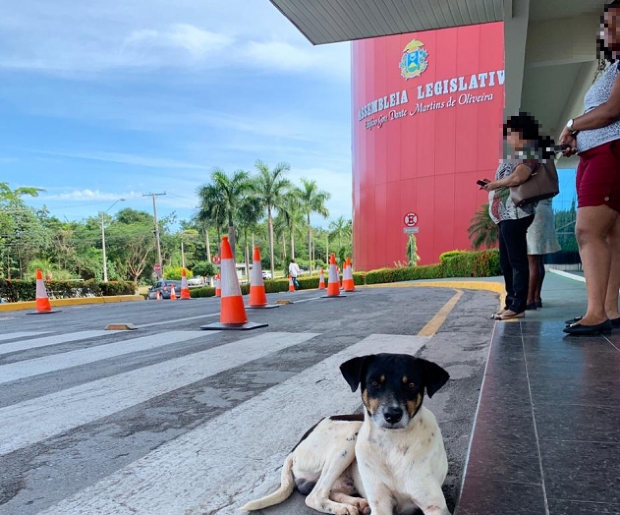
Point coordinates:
[[159, 261]]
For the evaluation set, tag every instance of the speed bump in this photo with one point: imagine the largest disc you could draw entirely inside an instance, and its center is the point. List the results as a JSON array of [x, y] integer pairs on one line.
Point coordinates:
[[120, 327]]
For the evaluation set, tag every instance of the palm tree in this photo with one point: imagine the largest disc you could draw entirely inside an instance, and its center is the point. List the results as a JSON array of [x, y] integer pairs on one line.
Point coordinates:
[[249, 214], [293, 215], [313, 201], [211, 213], [229, 192], [483, 230], [270, 187], [340, 228]]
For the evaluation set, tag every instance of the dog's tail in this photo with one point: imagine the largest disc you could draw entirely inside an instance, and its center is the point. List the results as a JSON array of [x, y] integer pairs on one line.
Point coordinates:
[[281, 494]]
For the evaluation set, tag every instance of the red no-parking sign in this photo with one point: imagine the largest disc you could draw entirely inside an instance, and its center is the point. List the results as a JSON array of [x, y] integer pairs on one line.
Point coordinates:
[[411, 219], [216, 260]]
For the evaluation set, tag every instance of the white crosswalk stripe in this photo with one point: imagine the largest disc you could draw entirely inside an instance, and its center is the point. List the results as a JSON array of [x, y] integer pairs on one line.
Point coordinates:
[[23, 369], [19, 334], [225, 458], [43, 417], [46, 341]]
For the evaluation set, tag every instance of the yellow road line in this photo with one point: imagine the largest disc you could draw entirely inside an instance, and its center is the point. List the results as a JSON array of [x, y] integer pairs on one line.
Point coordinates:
[[438, 320], [491, 286]]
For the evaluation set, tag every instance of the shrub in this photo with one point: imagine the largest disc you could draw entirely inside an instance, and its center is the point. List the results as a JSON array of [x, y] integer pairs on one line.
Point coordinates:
[[176, 273], [412, 273], [359, 278], [471, 264], [204, 291], [16, 291]]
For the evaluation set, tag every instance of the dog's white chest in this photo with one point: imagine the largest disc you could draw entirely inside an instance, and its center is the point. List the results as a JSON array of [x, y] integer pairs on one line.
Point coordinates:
[[402, 463]]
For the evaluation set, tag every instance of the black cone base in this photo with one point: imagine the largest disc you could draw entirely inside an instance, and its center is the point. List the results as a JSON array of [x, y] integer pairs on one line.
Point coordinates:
[[217, 326]]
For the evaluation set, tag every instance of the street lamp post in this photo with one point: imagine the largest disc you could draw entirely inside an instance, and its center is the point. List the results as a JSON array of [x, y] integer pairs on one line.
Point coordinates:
[[105, 262]]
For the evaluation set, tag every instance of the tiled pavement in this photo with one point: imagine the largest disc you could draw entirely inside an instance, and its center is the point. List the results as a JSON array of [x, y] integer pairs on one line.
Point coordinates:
[[547, 433]]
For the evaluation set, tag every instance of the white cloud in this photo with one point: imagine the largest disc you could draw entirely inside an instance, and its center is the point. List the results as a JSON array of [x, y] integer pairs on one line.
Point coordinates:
[[100, 36], [88, 195], [197, 42], [111, 157]]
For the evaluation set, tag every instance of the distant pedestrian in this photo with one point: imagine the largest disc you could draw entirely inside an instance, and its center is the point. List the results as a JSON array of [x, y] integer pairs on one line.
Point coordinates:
[[293, 270], [541, 240]]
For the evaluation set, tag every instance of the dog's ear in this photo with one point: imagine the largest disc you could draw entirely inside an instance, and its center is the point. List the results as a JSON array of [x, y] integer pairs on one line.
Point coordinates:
[[352, 371], [434, 376]]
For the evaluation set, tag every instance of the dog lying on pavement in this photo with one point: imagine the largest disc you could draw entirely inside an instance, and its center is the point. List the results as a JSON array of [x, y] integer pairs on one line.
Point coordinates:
[[389, 460]]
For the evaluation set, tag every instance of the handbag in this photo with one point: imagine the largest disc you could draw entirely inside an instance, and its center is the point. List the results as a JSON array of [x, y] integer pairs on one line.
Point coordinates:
[[542, 184]]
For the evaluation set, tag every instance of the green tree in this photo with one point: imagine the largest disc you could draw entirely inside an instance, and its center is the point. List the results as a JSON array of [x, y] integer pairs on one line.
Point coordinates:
[[211, 215], [292, 212], [341, 228], [248, 217], [231, 189], [270, 187], [483, 231], [313, 201], [131, 243]]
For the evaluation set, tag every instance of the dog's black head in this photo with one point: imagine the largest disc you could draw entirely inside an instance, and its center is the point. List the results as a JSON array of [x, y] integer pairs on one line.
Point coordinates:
[[393, 385]]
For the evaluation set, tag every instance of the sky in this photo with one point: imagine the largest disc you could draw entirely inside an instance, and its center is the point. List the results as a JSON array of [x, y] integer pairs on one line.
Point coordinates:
[[109, 99]]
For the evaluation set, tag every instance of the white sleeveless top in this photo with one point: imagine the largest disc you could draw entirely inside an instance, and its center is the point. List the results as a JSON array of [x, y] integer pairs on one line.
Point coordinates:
[[598, 94]]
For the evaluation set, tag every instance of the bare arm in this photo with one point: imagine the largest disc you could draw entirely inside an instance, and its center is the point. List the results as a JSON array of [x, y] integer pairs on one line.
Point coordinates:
[[519, 176], [603, 115], [599, 117]]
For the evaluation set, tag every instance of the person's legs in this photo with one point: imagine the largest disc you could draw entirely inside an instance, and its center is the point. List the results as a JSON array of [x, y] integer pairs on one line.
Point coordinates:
[[541, 278], [533, 263], [516, 242], [613, 283], [594, 225], [504, 262]]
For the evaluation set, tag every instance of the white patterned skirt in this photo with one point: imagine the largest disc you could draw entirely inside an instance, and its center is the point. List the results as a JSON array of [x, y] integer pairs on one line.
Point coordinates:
[[541, 237]]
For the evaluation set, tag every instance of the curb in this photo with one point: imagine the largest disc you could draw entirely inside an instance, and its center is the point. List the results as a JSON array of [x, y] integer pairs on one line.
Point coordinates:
[[18, 306], [492, 286]]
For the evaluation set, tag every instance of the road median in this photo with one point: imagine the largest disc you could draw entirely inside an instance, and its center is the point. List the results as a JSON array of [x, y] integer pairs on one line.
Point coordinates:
[[18, 306]]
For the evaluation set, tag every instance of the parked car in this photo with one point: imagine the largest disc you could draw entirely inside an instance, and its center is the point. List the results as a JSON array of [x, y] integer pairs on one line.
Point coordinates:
[[164, 289], [266, 274], [195, 281]]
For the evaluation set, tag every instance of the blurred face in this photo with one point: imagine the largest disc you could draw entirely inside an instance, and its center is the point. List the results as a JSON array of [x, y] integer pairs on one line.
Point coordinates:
[[515, 140], [610, 31]]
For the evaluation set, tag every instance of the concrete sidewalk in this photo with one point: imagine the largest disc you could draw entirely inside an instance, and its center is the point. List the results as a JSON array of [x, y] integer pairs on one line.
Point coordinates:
[[546, 435]]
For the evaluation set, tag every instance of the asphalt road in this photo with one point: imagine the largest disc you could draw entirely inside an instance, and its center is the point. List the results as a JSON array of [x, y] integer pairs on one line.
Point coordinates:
[[169, 419]]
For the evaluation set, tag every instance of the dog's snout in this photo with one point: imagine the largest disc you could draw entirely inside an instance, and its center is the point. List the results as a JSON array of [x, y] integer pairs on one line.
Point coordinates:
[[393, 415]]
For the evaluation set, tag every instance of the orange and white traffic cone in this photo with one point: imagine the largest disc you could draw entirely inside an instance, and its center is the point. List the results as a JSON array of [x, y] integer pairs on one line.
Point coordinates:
[[185, 295], [258, 296], [42, 304], [348, 283], [232, 310], [173, 293], [322, 280], [333, 282], [291, 284], [218, 286]]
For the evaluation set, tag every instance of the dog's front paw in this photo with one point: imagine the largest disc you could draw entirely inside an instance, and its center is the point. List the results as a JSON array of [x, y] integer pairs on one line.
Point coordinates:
[[362, 506]]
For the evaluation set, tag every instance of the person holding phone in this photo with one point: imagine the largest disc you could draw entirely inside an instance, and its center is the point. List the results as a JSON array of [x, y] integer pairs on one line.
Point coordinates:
[[595, 136], [523, 135]]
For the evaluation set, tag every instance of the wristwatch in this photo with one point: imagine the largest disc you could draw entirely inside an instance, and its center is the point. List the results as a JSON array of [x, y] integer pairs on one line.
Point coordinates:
[[570, 125]]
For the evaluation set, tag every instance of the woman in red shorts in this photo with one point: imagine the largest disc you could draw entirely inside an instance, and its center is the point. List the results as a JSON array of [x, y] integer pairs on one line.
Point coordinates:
[[595, 136]]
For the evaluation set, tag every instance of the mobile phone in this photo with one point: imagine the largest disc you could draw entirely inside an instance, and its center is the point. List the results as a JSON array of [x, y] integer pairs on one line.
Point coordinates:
[[482, 183]]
